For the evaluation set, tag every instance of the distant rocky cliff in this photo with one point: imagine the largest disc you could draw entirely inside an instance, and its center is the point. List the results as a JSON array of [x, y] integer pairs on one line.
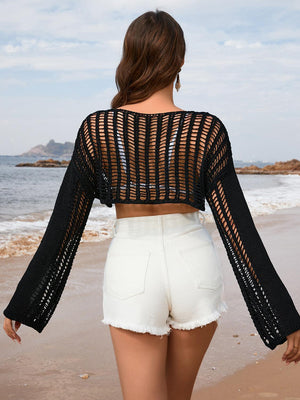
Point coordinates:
[[280, 167], [52, 149]]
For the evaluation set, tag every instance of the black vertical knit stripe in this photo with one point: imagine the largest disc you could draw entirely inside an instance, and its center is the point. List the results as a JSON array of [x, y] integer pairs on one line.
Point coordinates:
[[136, 154], [188, 156], [177, 149], [113, 132], [168, 148], [157, 158], [107, 152], [147, 159], [126, 144]]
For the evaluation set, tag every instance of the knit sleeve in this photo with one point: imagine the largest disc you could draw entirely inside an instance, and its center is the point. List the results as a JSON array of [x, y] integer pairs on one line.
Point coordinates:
[[40, 288], [268, 301]]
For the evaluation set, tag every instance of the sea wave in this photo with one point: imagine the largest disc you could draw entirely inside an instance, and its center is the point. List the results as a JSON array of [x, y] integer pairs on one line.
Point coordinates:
[[22, 234], [264, 195]]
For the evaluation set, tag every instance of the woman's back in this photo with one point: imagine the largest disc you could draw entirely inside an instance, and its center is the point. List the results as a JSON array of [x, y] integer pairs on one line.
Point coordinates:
[[151, 158], [132, 210]]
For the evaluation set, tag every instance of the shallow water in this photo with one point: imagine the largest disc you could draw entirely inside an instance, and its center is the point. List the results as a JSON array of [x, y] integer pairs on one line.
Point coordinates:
[[27, 197]]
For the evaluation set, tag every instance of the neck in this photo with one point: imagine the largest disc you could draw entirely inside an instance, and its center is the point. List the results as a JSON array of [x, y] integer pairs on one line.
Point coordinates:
[[160, 100]]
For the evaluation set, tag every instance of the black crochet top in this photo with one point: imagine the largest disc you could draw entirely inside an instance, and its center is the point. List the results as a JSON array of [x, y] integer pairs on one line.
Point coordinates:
[[123, 156]]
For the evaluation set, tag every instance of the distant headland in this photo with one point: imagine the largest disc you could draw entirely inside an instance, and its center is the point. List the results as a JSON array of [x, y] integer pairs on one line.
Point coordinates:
[[52, 149]]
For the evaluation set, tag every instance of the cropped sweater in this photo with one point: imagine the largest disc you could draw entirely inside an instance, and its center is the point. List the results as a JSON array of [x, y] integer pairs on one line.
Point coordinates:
[[122, 156]]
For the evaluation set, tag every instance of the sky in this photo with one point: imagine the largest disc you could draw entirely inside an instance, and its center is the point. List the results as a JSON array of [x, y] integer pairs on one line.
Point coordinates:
[[58, 61]]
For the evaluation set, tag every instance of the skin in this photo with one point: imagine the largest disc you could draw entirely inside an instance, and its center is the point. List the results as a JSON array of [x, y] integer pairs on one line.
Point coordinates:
[[163, 367]]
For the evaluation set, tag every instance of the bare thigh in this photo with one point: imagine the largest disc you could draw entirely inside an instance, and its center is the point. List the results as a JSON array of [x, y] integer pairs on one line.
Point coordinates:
[[141, 361], [153, 367], [186, 350]]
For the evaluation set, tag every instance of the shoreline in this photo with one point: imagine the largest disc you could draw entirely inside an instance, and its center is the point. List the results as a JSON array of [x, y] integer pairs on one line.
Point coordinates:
[[47, 365]]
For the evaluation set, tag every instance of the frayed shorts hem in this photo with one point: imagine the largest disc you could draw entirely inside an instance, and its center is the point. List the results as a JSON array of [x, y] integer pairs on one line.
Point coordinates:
[[148, 329], [175, 325], [200, 322]]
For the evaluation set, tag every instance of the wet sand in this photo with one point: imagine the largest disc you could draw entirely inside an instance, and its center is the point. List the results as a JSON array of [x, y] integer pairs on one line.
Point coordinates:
[[268, 378], [47, 365]]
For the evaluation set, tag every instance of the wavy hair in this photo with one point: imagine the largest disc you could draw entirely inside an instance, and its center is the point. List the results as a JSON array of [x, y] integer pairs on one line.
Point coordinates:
[[153, 52]]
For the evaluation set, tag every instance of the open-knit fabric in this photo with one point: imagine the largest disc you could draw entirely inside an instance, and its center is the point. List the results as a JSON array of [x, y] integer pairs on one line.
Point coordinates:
[[122, 156]]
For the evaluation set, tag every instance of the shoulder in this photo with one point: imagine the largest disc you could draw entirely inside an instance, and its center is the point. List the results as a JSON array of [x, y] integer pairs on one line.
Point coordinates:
[[88, 125], [215, 120], [86, 137], [211, 125], [93, 116], [218, 126], [215, 133]]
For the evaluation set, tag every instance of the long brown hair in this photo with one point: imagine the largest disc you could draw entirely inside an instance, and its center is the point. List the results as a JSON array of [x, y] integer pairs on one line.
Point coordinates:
[[153, 52]]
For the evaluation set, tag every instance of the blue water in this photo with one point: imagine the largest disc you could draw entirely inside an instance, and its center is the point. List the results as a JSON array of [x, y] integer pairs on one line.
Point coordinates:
[[27, 197]]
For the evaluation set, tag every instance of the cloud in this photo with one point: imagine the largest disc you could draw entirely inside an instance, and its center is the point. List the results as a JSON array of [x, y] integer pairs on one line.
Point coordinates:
[[242, 63], [241, 44], [55, 63], [26, 45]]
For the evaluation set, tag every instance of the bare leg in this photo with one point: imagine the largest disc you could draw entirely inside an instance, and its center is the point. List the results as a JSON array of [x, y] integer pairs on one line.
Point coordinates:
[[186, 349], [141, 361]]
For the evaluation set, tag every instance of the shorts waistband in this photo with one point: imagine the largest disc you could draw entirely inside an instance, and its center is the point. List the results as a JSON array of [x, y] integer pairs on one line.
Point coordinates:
[[152, 224]]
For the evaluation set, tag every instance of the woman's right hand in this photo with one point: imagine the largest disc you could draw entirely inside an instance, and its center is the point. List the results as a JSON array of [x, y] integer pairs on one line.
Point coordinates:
[[8, 327], [292, 352]]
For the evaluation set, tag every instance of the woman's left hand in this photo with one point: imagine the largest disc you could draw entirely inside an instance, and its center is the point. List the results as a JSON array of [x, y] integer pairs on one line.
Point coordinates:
[[11, 332], [292, 352]]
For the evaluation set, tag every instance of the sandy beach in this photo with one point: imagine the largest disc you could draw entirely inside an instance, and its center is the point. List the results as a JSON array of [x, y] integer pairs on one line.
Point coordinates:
[[48, 365]]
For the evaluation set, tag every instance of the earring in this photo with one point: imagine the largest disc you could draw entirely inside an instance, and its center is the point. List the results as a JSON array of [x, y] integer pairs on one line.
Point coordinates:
[[177, 84]]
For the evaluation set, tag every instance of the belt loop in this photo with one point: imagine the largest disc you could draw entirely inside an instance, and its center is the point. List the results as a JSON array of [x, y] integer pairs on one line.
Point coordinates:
[[203, 217], [114, 228]]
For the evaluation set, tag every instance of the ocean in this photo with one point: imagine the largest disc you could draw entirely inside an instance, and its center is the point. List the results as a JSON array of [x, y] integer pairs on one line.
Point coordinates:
[[27, 197]]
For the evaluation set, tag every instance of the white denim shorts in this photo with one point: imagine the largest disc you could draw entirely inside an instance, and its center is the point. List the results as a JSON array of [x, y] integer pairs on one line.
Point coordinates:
[[162, 272]]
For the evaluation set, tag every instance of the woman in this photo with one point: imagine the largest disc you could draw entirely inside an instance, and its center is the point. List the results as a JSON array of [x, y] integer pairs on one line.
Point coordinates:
[[163, 285]]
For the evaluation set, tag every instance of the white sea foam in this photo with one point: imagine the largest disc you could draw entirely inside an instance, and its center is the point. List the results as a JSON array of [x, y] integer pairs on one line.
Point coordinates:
[[266, 200], [264, 194], [21, 235]]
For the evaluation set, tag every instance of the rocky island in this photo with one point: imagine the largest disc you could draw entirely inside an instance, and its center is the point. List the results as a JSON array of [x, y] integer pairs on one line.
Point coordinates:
[[50, 163], [280, 167]]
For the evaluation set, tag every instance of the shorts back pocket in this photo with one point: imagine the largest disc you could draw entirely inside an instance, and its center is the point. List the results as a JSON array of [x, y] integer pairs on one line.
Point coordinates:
[[203, 264], [125, 272]]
